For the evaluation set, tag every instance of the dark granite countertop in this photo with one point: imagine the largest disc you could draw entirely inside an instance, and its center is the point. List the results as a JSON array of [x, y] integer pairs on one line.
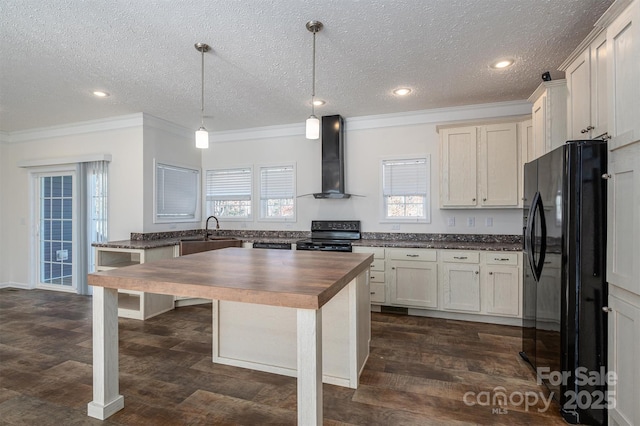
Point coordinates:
[[453, 245], [433, 241]]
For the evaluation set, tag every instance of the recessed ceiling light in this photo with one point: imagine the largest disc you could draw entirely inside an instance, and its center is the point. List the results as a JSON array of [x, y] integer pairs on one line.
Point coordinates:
[[318, 102], [403, 91], [502, 63], [100, 94]]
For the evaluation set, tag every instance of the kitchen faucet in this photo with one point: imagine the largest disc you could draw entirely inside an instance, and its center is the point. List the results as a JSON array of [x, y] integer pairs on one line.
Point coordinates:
[[206, 235]]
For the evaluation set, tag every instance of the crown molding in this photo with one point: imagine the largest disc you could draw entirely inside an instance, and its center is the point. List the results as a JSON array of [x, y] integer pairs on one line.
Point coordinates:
[[544, 86], [91, 126], [440, 115], [150, 121]]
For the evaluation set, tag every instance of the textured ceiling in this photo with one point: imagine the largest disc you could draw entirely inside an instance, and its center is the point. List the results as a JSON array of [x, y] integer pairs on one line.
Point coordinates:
[[54, 53]]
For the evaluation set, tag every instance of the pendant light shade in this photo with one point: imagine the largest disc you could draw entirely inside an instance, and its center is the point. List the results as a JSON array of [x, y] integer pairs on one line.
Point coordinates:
[[202, 136], [313, 124], [313, 127]]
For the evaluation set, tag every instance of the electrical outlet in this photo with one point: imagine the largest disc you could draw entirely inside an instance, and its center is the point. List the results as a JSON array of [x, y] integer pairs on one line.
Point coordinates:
[[288, 226], [471, 222], [488, 222], [451, 221], [395, 227]]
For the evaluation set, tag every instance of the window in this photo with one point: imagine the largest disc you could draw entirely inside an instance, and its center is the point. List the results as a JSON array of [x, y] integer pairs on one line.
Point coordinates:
[[177, 191], [405, 189], [277, 193], [229, 193]]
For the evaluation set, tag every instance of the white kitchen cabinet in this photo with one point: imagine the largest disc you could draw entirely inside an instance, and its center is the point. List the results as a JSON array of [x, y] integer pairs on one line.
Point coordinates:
[[527, 153], [479, 166], [499, 163], [549, 116], [623, 221], [414, 281], [501, 283], [587, 108], [623, 50], [377, 276], [136, 304], [460, 281], [623, 354], [458, 175]]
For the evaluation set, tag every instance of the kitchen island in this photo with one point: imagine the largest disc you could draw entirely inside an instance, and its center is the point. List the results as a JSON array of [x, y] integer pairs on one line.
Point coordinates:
[[290, 280]]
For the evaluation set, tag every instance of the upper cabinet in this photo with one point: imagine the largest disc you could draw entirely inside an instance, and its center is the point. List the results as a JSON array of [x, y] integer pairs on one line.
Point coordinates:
[[549, 116], [623, 49], [587, 108], [480, 166]]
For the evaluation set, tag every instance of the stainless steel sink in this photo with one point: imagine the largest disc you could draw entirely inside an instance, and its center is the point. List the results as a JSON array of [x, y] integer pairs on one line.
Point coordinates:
[[188, 246]]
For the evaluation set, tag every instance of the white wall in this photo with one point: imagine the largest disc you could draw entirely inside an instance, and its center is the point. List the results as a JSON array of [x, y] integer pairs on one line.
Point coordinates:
[[169, 144], [367, 141], [122, 138]]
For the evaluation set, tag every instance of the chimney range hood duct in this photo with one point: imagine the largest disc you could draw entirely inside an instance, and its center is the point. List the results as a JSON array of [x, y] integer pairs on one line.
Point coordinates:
[[332, 158]]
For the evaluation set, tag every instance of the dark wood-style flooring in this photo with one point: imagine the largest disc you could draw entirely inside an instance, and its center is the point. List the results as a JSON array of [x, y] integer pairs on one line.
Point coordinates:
[[417, 374]]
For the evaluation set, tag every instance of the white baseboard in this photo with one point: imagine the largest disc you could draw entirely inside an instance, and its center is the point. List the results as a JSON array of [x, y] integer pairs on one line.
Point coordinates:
[[11, 284]]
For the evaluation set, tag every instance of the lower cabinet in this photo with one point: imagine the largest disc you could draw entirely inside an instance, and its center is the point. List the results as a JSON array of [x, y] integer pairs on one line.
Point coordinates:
[[623, 354], [414, 283], [457, 281], [460, 281]]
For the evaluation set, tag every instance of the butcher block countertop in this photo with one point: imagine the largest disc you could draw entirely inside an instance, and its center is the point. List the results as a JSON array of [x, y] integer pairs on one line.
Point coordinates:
[[295, 279]]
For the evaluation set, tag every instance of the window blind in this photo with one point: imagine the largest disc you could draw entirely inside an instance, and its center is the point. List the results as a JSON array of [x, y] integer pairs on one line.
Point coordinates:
[[276, 182], [229, 184], [176, 192], [404, 177]]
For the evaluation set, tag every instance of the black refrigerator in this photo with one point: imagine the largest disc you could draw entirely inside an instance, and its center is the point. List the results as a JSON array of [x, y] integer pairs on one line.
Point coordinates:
[[564, 286]]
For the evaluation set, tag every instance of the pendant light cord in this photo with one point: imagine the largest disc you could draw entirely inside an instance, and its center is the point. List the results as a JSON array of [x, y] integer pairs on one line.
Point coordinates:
[[313, 76], [202, 91]]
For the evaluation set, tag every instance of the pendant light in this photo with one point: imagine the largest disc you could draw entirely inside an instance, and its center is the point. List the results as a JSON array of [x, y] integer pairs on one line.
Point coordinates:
[[202, 136], [313, 124]]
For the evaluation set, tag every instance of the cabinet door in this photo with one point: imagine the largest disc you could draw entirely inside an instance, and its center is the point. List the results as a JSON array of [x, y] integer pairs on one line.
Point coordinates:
[[599, 91], [461, 287], [623, 355], [458, 153], [414, 284], [502, 295], [499, 165], [579, 101], [623, 51], [623, 218], [539, 119]]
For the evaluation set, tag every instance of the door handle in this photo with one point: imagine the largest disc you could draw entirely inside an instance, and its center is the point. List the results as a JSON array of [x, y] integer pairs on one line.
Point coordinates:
[[606, 309]]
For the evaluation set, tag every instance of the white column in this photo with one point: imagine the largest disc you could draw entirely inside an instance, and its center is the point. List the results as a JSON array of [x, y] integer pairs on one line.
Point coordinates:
[[106, 399], [309, 367]]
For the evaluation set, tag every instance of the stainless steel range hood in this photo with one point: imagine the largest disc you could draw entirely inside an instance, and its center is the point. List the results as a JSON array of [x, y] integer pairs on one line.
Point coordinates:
[[332, 158]]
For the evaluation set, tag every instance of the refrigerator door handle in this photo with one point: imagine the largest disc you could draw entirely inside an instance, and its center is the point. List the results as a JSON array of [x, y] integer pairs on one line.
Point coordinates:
[[537, 208], [543, 237]]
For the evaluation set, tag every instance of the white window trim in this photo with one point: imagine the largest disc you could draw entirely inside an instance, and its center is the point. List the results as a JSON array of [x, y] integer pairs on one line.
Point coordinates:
[[383, 218], [198, 209], [258, 191], [253, 192]]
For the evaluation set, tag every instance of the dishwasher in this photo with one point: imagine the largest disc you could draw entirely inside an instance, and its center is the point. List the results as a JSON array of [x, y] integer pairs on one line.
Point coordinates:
[[273, 246]]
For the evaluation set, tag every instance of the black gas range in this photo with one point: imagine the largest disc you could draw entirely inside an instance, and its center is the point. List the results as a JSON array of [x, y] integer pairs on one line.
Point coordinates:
[[331, 235]]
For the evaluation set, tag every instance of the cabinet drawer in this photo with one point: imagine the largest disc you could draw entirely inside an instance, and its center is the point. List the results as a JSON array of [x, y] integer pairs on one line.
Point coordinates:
[[460, 256], [378, 252], [378, 293], [377, 265], [414, 254], [376, 276], [501, 258]]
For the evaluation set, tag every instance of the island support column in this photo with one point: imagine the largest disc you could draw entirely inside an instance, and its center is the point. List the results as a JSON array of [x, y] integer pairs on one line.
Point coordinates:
[[106, 398], [309, 367]]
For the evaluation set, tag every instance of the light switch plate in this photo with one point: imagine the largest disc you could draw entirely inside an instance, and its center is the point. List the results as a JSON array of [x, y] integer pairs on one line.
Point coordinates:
[[488, 222], [451, 221], [471, 222]]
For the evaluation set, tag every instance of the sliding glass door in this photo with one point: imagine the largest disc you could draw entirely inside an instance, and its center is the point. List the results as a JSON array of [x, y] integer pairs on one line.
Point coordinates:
[[56, 230]]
